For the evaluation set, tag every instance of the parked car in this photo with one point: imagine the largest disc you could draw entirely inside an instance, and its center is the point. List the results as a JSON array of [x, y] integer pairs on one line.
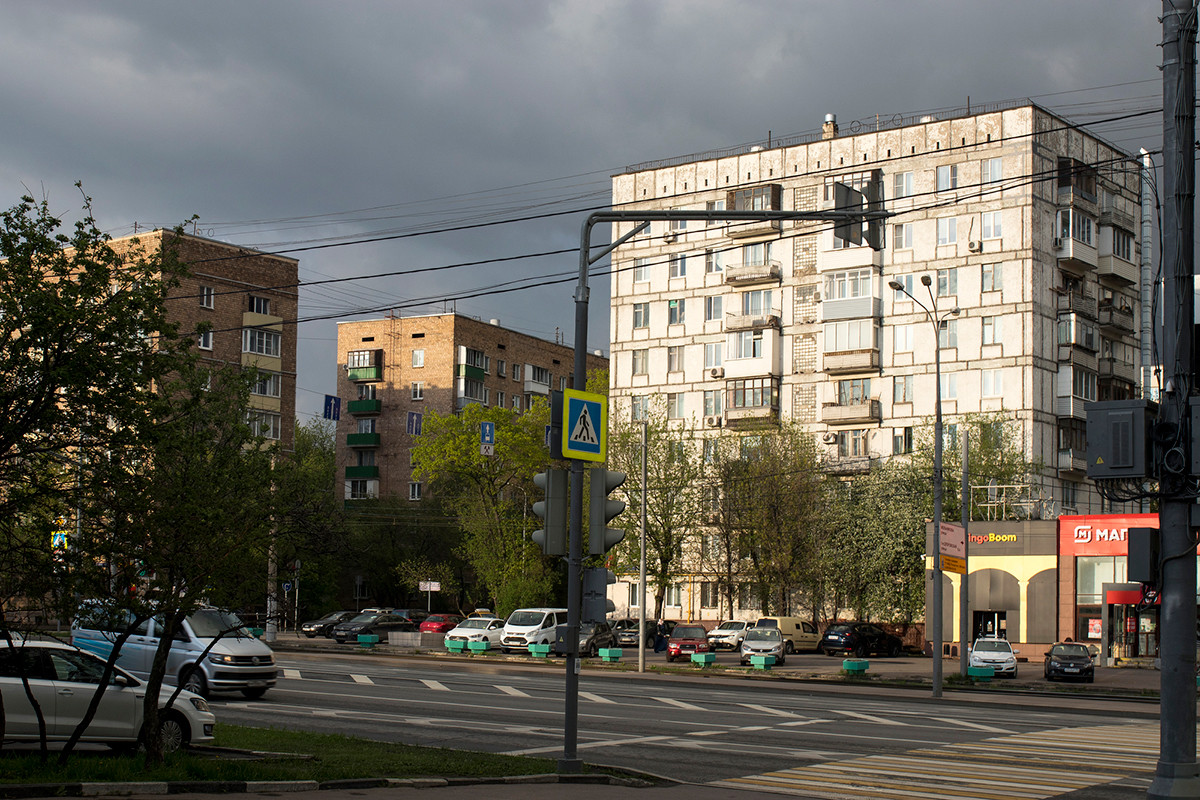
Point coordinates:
[[1069, 660], [593, 636], [763, 642], [440, 623], [64, 678], [798, 634], [628, 637], [728, 634], [324, 625], [995, 653], [481, 612], [417, 615], [527, 626], [686, 639], [860, 639], [478, 629], [366, 624]]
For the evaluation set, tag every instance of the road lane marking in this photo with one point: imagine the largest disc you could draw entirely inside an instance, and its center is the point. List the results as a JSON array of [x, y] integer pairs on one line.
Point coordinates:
[[768, 710], [292, 673], [363, 679], [587, 745], [595, 698], [868, 717], [977, 726], [512, 691], [435, 685], [679, 704]]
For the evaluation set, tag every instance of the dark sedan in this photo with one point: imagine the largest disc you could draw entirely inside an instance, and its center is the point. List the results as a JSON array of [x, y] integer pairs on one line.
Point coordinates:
[[366, 624], [324, 625], [860, 639], [1069, 660], [593, 636], [628, 637]]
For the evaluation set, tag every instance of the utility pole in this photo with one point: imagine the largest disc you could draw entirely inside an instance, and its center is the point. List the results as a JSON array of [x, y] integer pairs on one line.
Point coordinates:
[[1176, 773]]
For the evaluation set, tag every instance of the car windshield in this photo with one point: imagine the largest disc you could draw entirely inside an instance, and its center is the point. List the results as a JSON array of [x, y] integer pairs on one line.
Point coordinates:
[[209, 623], [763, 635], [766, 623], [688, 632], [526, 618], [363, 618], [481, 624], [992, 646], [435, 618], [1070, 650], [586, 628], [731, 626]]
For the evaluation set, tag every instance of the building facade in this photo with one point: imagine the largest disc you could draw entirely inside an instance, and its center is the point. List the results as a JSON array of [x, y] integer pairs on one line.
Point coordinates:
[[395, 370], [1022, 221]]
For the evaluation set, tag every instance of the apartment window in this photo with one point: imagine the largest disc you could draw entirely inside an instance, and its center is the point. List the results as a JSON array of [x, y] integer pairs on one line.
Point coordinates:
[[902, 236], [260, 305], [677, 225], [845, 285], [641, 270], [708, 594], [1072, 434], [675, 405], [414, 490], [1083, 385], [501, 367], [476, 358], [675, 358], [756, 255], [948, 334], [902, 338], [853, 391], [947, 177], [712, 261], [500, 399], [1122, 244], [902, 440], [950, 386], [902, 389], [947, 282], [992, 384], [640, 406], [900, 296], [418, 358], [267, 384], [991, 330], [759, 198], [1074, 225], [641, 316], [992, 225], [641, 362], [204, 340], [366, 458], [367, 391], [261, 342], [756, 303], [539, 375], [516, 372], [852, 334], [715, 205], [712, 354], [991, 278], [358, 490], [902, 185], [1077, 331], [634, 591], [852, 443], [677, 266], [992, 170], [753, 393], [947, 230], [712, 308], [747, 344], [675, 595], [713, 405], [1070, 495], [516, 403], [475, 390], [264, 424], [709, 452], [675, 310], [365, 424], [208, 296], [418, 390]]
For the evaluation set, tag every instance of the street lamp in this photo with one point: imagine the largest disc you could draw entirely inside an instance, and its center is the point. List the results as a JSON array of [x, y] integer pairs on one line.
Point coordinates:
[[931, 312]]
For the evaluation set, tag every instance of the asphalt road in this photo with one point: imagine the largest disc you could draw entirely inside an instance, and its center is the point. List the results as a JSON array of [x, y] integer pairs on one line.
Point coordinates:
[[796, 738]]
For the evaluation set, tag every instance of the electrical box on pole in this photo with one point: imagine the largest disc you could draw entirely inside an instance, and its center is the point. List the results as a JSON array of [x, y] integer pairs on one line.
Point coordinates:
[[596, 605], [1119, 439], [601, 509], [552, 537]]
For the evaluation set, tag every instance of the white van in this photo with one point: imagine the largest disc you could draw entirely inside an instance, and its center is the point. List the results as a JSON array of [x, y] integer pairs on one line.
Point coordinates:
[[238, 662], [527, 626], [798, 634]]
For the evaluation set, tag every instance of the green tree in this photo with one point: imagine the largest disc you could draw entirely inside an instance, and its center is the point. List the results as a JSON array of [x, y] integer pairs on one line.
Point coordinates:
[[490, 496]]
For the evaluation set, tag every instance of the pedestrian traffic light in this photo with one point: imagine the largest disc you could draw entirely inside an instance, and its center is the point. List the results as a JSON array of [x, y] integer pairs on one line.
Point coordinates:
[[601, 509], [552, 537], [596, 605]]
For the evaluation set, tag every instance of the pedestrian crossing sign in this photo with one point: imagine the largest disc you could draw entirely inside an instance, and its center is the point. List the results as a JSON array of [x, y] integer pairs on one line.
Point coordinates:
[[584, 424]]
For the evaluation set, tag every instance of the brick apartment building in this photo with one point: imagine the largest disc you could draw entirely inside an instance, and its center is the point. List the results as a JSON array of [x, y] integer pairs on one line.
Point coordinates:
[[393, 371]]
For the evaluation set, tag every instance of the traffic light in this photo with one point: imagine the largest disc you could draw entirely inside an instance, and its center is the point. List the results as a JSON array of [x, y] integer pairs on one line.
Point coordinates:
[[596, 605], [552, 538], [601, 509]]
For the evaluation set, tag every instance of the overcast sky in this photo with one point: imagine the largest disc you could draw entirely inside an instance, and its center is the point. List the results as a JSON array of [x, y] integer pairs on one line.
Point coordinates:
[[286, 124]]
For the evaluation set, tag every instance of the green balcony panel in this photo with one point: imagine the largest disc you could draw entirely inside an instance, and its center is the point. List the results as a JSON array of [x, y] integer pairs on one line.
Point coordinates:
[[474, 373], [363, 373], [364, 406], [362, 440], [362, 472]]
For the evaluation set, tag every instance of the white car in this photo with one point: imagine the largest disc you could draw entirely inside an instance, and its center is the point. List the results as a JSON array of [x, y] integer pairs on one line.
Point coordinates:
[[995, 653], [477, 629], [764, 642], [728, 634], [64, 678]]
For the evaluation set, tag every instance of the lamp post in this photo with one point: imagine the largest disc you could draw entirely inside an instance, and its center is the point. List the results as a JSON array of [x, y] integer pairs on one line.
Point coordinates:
[[931, 312]]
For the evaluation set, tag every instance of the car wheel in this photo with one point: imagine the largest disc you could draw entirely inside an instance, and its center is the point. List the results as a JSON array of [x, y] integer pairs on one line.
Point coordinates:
[[788, 649], [1089, 679], [253, 694], [782, 660], [311, 635], [172, 733], [194, 682], [861, 651], [894, 649]]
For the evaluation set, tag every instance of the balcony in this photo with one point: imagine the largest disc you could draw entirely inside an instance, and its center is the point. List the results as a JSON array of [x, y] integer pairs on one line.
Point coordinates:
[[1075, 255], [745, 230], [1110, 266], [1082, 304], [362, 472], [364, 373], [364, 365], [1077, 356], [851, 308], [1114, 319], [362, 407], [1072, 460], [751, 417], [851, 361], [847, 465], [746, 274], [752, 322], [1071, 406], [843, 414], [362, 440], [468, 371], [1110, 368]]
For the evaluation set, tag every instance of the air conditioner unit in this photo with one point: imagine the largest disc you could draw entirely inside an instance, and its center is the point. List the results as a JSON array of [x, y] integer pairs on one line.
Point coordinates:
[[713, 422], [669, 237], [1058, 243], [975, 246], [717, 372]]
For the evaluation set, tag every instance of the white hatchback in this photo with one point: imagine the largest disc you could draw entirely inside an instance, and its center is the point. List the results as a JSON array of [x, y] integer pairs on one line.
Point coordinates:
[[477, 629], [997, 654], [63, 679]]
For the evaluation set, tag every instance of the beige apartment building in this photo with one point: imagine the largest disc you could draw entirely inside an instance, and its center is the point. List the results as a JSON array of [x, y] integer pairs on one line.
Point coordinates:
[[1023, 221], [395, 370]]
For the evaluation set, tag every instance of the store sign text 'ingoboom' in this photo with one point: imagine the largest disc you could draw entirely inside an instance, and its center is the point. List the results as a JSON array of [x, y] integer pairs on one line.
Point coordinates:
[[1086, 533]]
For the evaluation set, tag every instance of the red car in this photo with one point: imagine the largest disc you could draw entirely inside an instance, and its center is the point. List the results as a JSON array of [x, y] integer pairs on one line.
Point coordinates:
[[440, 623], [687, 638]]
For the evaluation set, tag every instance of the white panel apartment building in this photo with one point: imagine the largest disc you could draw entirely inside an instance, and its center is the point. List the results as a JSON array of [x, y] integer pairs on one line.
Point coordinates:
[[1024, 221]]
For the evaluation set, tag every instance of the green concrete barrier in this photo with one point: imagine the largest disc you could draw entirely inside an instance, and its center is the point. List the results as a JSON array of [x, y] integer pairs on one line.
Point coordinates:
[[981, 674], [856, 666], [762, 662], [479, 647], [368, 640], [456, 646], [539, 650], [704, 659], [611, 654]]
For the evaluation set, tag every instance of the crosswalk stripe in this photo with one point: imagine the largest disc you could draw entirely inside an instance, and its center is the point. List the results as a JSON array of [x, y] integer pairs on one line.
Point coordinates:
[[975, 725], [595, 698], [292, 673], [435, 685], [512, 691], [868, 717], [678, 703], [363, 679], [768, 710]]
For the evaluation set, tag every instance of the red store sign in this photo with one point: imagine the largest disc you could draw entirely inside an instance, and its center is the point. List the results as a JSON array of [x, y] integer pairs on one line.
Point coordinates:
[[1100, 535]]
